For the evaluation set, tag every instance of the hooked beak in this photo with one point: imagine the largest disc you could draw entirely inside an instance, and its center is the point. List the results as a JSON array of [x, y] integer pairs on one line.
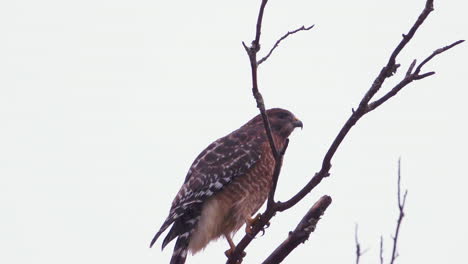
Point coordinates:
[[298, 123]]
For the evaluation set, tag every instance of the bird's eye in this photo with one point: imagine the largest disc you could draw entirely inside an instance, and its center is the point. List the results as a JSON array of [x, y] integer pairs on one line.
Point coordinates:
[[282, 115]]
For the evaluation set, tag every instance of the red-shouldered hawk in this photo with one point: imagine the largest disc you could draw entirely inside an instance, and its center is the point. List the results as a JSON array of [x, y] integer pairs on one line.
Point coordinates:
[[226, 184]]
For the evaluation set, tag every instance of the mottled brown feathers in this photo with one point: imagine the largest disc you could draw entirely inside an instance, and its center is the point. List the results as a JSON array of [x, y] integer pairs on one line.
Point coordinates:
[[226, 184]]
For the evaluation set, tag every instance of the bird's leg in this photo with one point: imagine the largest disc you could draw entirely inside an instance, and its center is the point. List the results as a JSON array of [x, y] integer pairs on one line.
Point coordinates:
[[232, 248], [231, 245], [250, 222]]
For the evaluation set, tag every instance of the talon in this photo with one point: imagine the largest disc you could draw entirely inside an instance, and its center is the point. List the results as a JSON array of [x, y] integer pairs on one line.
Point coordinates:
[[263, 231], [265, 227], [250, 223]]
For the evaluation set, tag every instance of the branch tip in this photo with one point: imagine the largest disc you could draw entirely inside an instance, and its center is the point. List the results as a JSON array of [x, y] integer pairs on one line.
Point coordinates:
[[303, 28], [410, 69]]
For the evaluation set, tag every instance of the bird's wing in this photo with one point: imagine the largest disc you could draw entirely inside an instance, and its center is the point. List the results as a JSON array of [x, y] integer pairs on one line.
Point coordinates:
[[222, 161]]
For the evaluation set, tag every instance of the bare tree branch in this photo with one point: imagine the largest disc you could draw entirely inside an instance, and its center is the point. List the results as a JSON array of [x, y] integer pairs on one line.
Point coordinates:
[[381, 250], [252, 53], [435, 53], [358, 246], [263, 220], [364, 107], [301, 233], [410, 76], [303, 28], [401, 207], [359, 251], [276, 173]]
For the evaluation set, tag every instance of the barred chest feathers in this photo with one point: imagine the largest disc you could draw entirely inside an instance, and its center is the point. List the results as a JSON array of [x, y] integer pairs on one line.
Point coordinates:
[[226, 212]]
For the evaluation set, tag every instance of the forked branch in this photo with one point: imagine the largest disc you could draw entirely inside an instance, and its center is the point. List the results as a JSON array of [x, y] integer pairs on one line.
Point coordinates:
[[365, 106], [411, 76]]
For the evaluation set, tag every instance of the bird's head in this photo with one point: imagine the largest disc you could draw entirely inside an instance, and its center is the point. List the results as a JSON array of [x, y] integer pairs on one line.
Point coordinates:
[[282, 122]]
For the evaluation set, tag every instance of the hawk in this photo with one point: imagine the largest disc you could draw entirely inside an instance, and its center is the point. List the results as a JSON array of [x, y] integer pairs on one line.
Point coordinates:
[[226, 184]]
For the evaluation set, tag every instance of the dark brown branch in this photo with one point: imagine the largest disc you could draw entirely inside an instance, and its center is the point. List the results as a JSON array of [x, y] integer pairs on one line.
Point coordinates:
[[258, 31], [401, 207], [365, 107], [301, 233], [387, 71], [252, 53], [411, 76], [237, 255], [435, 53], [303, 28], [276, 173], [391, 67]]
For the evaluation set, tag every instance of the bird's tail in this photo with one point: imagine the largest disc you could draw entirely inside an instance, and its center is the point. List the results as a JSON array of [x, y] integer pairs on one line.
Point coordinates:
[[180, 249]]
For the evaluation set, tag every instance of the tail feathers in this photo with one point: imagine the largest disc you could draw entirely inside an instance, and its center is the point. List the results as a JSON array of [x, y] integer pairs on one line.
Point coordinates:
[[164, 226], [174, 214], [155, 238], [177, 229], [180, 249]]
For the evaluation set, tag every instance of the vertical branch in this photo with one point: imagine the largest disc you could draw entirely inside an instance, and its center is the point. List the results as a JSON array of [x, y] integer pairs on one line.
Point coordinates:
[[401, 207], [358, 246], [359, 251], [381, 250], [276, 173], [252, 53]]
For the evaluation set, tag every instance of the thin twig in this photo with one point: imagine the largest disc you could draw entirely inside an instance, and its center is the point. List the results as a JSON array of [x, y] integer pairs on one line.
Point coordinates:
[[435, 53], [381, 250], [303, 28], [358, 246], [301, 233], [359, 252], [401, 207], [410, 76]]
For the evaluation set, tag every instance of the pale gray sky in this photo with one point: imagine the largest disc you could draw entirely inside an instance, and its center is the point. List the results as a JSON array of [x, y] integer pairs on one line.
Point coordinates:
[[105, 104]]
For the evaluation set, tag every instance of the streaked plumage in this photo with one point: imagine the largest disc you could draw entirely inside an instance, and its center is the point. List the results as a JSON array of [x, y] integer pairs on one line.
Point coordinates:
[[226, 184]]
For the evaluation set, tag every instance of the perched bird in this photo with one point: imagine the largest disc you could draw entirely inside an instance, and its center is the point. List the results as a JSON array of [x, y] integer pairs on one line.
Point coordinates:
[[226, 184]]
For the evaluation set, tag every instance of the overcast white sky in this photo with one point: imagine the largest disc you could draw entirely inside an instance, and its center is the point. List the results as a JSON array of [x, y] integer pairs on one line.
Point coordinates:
[[105, 104]]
